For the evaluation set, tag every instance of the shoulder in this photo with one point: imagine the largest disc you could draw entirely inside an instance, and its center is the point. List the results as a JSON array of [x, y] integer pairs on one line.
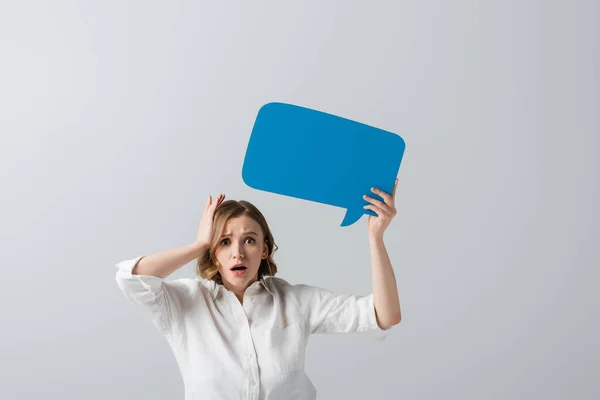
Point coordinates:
[[280, 285], [298, 291]]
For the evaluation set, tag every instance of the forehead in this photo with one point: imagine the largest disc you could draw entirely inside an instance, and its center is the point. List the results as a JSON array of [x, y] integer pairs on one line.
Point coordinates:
[[241, 224]]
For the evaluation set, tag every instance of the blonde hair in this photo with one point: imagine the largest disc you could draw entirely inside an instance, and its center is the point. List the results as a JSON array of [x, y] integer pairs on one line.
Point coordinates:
[[207, 265]]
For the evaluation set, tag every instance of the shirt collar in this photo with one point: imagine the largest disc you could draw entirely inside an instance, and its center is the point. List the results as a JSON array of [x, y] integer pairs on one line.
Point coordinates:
[[215, 287]]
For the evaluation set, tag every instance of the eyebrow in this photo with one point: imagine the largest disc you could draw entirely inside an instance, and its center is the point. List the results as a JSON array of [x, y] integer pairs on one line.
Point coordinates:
[[245, 233]]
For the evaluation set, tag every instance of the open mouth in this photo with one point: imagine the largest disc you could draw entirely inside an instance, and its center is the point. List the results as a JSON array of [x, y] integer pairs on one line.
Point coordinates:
[[239, 268]]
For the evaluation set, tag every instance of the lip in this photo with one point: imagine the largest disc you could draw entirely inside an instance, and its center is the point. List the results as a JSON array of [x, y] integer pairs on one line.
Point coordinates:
[[240, 273], [238, 265]]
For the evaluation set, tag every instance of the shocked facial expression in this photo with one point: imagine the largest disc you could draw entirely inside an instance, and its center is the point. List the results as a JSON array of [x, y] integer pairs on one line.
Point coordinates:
[[240, 251]]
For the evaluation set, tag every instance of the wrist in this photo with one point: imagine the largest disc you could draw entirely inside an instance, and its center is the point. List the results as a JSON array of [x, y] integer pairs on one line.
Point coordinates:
[[375, 238], [199, 247]]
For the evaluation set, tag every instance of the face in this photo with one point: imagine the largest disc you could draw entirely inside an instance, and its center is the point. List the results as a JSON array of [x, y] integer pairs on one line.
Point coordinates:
[[242, 243]]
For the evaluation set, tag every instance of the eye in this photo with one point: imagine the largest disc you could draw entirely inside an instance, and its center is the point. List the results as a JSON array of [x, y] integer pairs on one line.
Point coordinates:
[[225, 241]]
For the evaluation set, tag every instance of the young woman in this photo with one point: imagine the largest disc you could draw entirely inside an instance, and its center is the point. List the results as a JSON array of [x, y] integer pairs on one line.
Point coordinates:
[[237, 331]]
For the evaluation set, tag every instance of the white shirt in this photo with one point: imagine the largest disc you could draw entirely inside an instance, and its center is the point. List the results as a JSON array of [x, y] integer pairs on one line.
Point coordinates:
[[250, 351]]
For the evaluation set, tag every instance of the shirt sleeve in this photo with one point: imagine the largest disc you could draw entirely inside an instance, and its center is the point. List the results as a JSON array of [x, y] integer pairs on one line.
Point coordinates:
[[161, 300], [327, 312]]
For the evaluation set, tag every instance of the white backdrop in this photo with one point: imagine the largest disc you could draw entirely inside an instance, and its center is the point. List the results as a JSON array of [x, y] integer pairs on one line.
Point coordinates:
[[119, 118]]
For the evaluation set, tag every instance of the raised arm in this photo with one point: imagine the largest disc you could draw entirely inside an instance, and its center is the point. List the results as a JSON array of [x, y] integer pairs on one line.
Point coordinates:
[[142, 279], [166, 262], [385, 291]]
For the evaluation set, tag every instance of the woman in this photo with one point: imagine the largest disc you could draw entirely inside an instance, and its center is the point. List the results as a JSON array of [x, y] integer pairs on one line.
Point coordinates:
[[237, 331]]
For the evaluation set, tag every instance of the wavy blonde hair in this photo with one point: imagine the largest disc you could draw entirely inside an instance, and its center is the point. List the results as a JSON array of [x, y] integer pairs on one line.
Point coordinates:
[[207, 265]]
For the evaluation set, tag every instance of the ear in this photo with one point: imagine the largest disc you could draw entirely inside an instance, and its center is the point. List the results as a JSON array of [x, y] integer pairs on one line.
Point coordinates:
[[265, 253]]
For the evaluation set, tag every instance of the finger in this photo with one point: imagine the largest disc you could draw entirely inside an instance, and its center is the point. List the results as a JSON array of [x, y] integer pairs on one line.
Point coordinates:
[[210, 210], [377, 210], [376, 202], [219, 201], [394, 190], [386, 197]]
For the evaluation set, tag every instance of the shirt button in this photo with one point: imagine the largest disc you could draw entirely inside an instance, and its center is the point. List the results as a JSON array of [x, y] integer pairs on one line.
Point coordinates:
[[252, 383]]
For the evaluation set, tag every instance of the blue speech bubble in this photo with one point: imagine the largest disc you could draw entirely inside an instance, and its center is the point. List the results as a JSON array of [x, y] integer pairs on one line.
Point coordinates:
[[311, 155]]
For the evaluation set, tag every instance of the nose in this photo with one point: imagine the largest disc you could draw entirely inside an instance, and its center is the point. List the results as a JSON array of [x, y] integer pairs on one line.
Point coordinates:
[[237, 252]]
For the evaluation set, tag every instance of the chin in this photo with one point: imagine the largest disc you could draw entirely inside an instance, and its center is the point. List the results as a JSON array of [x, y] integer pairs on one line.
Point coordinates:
[[245, 277]]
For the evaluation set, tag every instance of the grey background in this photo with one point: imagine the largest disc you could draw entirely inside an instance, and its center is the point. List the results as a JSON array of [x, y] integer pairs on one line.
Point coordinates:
[[119, 118]]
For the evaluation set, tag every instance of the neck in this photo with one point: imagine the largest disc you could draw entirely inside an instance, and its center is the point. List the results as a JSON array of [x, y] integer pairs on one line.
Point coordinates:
[[239, 291]]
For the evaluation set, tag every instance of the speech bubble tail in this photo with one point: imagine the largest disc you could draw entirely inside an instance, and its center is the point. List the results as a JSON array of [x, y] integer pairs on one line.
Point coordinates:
[[351, 217]]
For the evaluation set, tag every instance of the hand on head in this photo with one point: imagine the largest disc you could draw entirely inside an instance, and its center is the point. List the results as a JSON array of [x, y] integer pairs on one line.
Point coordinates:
[[206, 223]]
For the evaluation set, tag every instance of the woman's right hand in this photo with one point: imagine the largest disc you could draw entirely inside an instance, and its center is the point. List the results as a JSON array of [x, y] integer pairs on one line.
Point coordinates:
[[206, 223]]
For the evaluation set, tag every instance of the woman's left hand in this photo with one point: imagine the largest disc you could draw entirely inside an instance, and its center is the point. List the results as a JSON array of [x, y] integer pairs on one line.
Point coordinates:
[[385, 211]]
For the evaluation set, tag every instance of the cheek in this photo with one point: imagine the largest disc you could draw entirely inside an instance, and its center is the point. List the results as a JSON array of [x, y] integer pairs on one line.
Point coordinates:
[[221, 257]]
